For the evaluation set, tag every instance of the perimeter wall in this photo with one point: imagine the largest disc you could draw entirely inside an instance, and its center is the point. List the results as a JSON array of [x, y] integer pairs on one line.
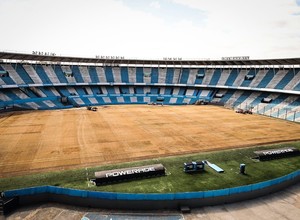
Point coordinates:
[[153, 201]]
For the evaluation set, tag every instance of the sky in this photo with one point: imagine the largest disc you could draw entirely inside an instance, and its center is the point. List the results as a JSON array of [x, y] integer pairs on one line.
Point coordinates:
[[152, 29]]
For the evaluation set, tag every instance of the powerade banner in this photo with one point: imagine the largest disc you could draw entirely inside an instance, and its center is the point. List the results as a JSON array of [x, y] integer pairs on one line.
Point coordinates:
[[129, 171], [275, 153]]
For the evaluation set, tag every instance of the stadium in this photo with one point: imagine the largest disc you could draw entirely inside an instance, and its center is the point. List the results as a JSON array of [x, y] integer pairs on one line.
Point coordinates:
[[145, 109]]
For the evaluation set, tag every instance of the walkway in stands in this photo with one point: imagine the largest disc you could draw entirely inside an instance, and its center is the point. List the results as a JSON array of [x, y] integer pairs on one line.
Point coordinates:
[[282, 205]]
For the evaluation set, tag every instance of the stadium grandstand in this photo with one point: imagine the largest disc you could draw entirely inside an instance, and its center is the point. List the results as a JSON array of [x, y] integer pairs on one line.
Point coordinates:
[[269, 86]]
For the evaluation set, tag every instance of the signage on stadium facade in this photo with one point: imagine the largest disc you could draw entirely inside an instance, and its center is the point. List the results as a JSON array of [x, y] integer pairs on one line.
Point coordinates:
[[110, 57], [43, 53], [172, 58], [236, 58]]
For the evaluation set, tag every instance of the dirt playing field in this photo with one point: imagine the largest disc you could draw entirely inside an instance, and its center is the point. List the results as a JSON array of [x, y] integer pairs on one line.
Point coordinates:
[[35, 141]]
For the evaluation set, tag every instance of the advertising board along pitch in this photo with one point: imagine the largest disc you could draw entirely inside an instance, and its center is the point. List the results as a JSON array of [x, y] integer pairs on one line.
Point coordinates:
[[108, 176], [276, 153]]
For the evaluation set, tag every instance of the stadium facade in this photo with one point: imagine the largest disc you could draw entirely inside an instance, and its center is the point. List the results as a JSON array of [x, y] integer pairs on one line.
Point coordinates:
[[270, 87]]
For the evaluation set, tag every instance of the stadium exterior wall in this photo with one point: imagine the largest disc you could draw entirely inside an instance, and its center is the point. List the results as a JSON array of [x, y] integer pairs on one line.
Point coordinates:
[[151, 201]]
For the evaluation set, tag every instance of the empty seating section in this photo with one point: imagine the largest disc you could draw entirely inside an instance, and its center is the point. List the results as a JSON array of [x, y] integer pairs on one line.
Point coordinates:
[[257, 100], [101, 74], [169, 91], [155, 90], [215, 77], [52, 75], [192, 76], [176, 75], [5, 80], [189, 92], [23, 74], [88, 90], [27, 74], [110, 90], [234, 96], [169, 76], [184, 76], [265, 108], [29, 92], [116, 72], [140, 75], [43, 75], [162, 74], [224, 77], [247, 82], [146, 75], [242, 98], [138, 90], [286, 109], [41, 86], [63, 91], [67, 73], [33, 74], [146, 90], [208, 76], [93, 74], [294, 82], [61, 74], [250, 101], [117, 90], [240, 77], [13, 75], [267, 78], [37, 91], [81, 91], [233, 75], [206, 94], [277, 78], [297, 87], [109, 74], [227, 95], [182, 91], [124, 75], [261, 73], [77, 75], [154, 75], [132, 74], [85, 74], [285, 79], [200, 76]]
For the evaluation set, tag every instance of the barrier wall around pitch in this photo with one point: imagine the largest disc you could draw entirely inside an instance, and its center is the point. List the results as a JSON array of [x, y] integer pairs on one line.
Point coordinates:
[[153, 201]]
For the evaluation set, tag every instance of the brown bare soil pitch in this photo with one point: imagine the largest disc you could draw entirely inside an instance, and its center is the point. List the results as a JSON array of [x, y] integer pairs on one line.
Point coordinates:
[[37, 141]]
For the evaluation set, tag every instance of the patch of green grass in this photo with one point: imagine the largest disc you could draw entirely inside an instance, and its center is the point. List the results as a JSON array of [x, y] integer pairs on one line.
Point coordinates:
[[176, 180]]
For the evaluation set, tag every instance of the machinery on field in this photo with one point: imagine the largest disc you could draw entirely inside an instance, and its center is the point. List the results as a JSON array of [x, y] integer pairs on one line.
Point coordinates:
[[243, 111], [191, 167], [92, 108]]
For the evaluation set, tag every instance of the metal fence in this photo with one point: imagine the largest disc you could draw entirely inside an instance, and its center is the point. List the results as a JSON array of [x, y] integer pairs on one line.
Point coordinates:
[[270, 110]]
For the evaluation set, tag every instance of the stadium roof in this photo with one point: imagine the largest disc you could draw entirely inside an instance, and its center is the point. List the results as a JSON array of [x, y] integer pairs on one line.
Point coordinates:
[[102, 60]]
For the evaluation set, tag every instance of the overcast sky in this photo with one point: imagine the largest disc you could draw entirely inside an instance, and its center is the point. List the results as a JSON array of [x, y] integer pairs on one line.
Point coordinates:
[[191, 29]]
